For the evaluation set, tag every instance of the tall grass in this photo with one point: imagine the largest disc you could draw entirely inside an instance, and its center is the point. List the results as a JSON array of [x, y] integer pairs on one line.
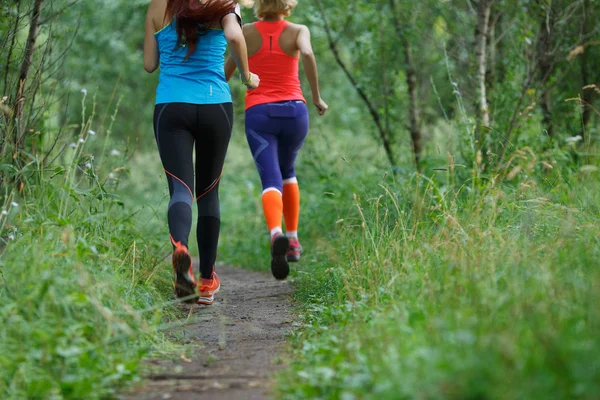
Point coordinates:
[[455, 286], [84, 285]]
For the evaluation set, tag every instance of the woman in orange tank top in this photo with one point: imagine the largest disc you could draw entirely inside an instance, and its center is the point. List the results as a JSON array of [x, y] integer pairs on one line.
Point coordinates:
[[277, 119]]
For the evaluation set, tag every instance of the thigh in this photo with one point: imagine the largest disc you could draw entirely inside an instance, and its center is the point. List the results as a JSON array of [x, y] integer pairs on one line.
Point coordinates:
[[294, 132], [263, 143], [175, 142], [212, 140]]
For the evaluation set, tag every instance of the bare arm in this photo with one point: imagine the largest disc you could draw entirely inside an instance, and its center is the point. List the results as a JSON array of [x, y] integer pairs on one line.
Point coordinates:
[[150, 46], [310, 68], [238, 50], [229, 67]]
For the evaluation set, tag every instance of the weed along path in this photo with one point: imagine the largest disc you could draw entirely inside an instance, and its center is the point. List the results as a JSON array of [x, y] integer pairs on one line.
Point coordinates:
[[234, 343]]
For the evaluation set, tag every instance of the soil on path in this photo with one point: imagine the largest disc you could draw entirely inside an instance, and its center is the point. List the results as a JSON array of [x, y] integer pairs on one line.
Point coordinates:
[[235, 342]]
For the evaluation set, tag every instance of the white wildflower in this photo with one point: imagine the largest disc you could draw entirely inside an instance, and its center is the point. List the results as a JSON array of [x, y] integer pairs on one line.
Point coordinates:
[[11, 236], [91, 132], [81, 140], [111, 176], [88, 165], [14, 204], [115, 152], [574, 139], [73, 145], [4, 212], [84, 90]]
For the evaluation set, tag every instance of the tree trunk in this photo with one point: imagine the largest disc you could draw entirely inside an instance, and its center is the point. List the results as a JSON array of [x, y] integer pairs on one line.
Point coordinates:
[[499, 50], [26, 64], [13, 36], [490, 74], [481, 34], [546, 66], [588, 95], [414, 113], [6, 111], [384, 136]]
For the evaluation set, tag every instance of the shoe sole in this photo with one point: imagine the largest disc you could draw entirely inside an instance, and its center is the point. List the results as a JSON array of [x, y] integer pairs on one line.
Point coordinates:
[[292, 258], [279, 264], [208, 300], [184, 283]]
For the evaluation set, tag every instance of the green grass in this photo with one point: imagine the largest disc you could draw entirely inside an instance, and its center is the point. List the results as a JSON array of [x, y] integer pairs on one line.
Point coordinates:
[[84, 288], [452, 288], [456, 285]]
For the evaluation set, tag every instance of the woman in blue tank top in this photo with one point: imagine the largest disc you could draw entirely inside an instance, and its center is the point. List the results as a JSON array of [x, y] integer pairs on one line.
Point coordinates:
[[187, 39]]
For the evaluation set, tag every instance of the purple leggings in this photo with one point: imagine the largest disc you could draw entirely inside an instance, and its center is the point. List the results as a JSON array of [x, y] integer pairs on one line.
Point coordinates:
[[275, 134]]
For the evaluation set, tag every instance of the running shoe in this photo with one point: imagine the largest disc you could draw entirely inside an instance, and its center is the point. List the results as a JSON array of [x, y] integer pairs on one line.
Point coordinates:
[[279, 264], [294, 251], [208, 288], [185, 284]]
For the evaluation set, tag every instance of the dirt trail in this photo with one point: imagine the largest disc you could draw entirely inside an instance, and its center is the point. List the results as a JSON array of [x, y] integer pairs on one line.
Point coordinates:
[[236, 342]]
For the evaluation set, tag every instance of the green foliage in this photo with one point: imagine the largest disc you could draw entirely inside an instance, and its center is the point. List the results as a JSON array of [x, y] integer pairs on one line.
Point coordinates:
[[433, 290], [70, 328], [459, 283], [105, 53], [466, 281], [83, 284]]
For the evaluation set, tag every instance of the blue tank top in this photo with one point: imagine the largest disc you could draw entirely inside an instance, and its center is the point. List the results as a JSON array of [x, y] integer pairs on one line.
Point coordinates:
[[198, 80]]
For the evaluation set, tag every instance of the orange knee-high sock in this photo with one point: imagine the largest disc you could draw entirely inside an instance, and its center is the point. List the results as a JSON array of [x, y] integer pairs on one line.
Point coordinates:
[[291, 206], [273, 209]]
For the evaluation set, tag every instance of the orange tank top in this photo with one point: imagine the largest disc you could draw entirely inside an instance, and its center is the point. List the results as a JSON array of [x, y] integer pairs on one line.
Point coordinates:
[[278, 72]]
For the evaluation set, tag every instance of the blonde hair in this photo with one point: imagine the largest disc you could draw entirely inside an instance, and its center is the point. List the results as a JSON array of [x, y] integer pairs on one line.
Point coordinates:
[[265, 8]]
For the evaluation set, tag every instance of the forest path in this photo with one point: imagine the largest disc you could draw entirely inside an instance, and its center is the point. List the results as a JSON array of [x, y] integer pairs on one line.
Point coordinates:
[[236, 342]]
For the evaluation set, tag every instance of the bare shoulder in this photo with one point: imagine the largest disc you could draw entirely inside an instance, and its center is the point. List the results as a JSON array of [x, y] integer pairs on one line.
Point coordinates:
[[297, 27], [248, 28], [250, 33], [156, 10], [157, 5]]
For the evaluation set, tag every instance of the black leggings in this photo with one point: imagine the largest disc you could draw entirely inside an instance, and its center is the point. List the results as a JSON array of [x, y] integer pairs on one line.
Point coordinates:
[[177, 127]]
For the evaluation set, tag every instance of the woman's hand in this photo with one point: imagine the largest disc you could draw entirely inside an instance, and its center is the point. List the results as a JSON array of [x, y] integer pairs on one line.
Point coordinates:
[[321, 105], [252, 82]]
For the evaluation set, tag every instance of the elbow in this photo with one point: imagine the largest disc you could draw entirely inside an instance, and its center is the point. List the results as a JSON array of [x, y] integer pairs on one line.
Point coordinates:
[[307, 53], [150, 68], [235, 39], [234, 42]]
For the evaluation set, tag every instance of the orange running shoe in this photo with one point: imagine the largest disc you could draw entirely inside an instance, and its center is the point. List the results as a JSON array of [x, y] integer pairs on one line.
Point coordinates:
[[279, 264], [185, 284], [208, 288]]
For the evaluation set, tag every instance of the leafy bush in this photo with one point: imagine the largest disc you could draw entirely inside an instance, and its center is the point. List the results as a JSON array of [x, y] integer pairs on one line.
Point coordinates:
[[446, 292], [83, 282]]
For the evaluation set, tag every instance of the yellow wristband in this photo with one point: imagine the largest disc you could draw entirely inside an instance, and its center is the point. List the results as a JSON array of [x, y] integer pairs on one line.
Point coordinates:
[[245, 83]]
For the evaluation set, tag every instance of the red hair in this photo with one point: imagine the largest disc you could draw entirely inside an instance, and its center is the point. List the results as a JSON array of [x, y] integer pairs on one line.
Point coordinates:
[[194, 17]]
